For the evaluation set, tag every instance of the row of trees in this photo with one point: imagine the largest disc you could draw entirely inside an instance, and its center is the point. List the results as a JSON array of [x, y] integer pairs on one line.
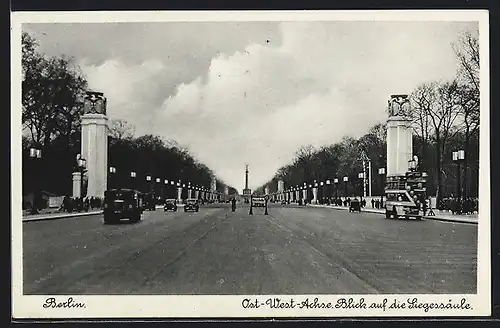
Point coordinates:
[[445, 118], [53, 89]]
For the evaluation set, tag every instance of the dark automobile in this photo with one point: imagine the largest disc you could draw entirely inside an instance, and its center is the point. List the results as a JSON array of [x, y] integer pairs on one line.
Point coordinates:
[[355, 206], [150, 201], [170, 205], [191, 205], [122, 204]]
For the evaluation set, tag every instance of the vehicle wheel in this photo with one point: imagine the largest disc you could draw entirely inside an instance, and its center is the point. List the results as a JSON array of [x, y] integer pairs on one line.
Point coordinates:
[[387, 214], [175, 209], [418, 218]]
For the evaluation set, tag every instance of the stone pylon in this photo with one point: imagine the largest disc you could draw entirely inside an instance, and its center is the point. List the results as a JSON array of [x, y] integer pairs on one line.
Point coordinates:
[[399, 136], [94, 143]]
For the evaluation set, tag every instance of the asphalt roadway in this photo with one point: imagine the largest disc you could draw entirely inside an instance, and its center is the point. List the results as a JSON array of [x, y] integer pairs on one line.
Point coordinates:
[[293, 250]]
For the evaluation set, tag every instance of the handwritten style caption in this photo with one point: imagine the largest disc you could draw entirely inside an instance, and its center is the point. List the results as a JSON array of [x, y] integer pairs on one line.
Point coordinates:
[[353, 303]]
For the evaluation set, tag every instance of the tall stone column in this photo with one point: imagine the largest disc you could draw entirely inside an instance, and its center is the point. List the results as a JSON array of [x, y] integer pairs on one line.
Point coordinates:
[[281, 187], [179, 194], [399, 136], [77, 184], [304, 195], [197, 194], [190, 193], [266, 191], [297, 195], [315, 195], [94, 143], [213, 189]]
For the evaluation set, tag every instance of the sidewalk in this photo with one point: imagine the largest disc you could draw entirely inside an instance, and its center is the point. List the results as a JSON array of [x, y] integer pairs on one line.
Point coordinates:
[[439, 215], [54, 214]]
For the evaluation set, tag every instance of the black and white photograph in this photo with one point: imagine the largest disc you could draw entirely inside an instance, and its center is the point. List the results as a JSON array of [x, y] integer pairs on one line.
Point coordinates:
[[250, 164]]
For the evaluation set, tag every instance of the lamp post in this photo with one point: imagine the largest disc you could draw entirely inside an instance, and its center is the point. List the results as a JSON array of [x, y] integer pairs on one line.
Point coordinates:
[[35, 155], [149, 183], [336, 183], [328, 191], [361, 176], [133, 175], [157, 188], [381, 173], [346, 180], [112, 171], [322, 189], [82, 165], [458, 157], [165, 189], [412, 165]]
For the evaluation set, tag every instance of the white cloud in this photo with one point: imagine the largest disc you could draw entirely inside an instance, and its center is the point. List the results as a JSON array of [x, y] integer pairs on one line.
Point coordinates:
[[258, 102]]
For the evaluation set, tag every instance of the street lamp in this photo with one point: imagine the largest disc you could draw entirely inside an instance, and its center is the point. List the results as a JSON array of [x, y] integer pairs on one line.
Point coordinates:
[[112, 171], [458, 157], [133, 175], [82, 165], [35, 155], [149, 180], [412, 164], [361, 176], [346, 180], [336, 182], [381, 172]]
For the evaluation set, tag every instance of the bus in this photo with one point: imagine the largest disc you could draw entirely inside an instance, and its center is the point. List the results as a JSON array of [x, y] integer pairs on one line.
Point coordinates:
[[405, 195]]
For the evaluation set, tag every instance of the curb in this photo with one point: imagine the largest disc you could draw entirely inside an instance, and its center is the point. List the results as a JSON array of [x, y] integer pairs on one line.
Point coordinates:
[[66, 216], [435, 218], [60, 216]]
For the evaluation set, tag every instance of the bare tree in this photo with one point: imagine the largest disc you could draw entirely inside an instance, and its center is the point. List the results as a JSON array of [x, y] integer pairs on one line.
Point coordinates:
[[442, 110], [423, 99], [121, 129], [467, 52]]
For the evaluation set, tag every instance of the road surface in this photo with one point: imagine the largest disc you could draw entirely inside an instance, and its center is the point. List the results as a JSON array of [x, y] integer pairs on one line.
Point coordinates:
[[293, 250]]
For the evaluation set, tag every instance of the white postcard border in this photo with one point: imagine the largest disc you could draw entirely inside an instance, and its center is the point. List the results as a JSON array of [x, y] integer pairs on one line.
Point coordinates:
[[107, 306]]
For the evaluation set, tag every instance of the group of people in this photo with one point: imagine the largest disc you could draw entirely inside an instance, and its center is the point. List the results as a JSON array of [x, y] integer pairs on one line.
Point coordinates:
[[79, 204], [467, 205]]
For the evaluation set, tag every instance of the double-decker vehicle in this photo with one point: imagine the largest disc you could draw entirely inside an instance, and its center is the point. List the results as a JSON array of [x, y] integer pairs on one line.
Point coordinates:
[[122, 204], [191, 205], [405, 195]]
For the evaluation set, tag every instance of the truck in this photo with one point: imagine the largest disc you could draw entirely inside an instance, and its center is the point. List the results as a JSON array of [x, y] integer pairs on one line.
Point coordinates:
[[405, 195]]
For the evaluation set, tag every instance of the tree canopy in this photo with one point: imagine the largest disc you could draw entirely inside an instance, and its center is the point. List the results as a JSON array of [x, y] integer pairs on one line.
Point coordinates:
[[52, 103]]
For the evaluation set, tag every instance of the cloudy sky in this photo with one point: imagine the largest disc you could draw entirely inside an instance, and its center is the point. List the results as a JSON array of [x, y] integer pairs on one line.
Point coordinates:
[[253, 92]]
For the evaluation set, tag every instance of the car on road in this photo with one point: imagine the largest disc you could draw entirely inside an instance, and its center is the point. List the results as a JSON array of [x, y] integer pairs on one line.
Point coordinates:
[[122, 204], [150, 201], [192, 205], [355, 205], [259, 202], [170, 205]]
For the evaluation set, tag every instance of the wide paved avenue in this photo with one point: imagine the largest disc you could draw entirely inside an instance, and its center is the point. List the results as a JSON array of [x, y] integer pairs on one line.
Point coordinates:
[[293, 250]]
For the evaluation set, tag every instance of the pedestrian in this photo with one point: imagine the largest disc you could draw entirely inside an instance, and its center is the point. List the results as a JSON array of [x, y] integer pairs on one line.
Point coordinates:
[[373, 203]]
